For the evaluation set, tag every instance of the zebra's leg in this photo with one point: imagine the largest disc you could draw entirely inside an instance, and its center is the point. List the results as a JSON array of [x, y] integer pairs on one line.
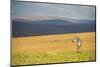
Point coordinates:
[[77, 48]]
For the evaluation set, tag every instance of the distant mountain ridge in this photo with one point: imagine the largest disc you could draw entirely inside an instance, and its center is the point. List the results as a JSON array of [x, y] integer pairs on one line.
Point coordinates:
[[52, 26]]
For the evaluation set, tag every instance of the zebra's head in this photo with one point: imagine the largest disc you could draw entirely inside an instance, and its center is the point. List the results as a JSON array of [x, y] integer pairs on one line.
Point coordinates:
[[76, 39]]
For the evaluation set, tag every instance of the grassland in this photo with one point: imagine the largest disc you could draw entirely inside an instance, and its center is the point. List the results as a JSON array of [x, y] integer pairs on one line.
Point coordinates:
[[45, 49]]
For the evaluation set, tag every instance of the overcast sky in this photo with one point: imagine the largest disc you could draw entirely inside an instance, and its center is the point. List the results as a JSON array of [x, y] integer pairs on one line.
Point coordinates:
[[30, 9]]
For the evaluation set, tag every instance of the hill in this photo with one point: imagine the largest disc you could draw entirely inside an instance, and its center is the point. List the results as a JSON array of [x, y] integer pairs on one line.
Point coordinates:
[[48, 27]]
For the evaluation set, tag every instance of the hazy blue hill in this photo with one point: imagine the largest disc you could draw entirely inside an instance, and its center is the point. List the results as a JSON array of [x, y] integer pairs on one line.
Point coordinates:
[[47, 27], [87, 21], [54, 22]]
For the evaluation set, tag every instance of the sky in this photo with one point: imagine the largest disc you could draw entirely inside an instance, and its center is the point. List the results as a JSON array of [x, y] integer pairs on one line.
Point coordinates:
[[32, 10]]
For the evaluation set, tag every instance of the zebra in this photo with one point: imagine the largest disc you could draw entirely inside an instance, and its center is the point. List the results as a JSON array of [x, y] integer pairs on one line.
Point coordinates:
[[78, 42]]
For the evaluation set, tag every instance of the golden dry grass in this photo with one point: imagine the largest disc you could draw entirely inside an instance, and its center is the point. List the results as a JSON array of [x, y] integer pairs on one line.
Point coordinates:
[[46, 49]]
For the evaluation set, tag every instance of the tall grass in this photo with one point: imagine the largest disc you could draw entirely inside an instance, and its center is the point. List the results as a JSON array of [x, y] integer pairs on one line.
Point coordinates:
[[53, 57], [40, 49]]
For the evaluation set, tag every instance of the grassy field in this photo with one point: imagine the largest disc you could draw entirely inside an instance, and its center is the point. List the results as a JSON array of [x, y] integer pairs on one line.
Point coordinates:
[[45, 49]]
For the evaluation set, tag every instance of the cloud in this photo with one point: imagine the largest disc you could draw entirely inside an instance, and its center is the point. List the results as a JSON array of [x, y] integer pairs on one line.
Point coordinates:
[[53, 10]]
